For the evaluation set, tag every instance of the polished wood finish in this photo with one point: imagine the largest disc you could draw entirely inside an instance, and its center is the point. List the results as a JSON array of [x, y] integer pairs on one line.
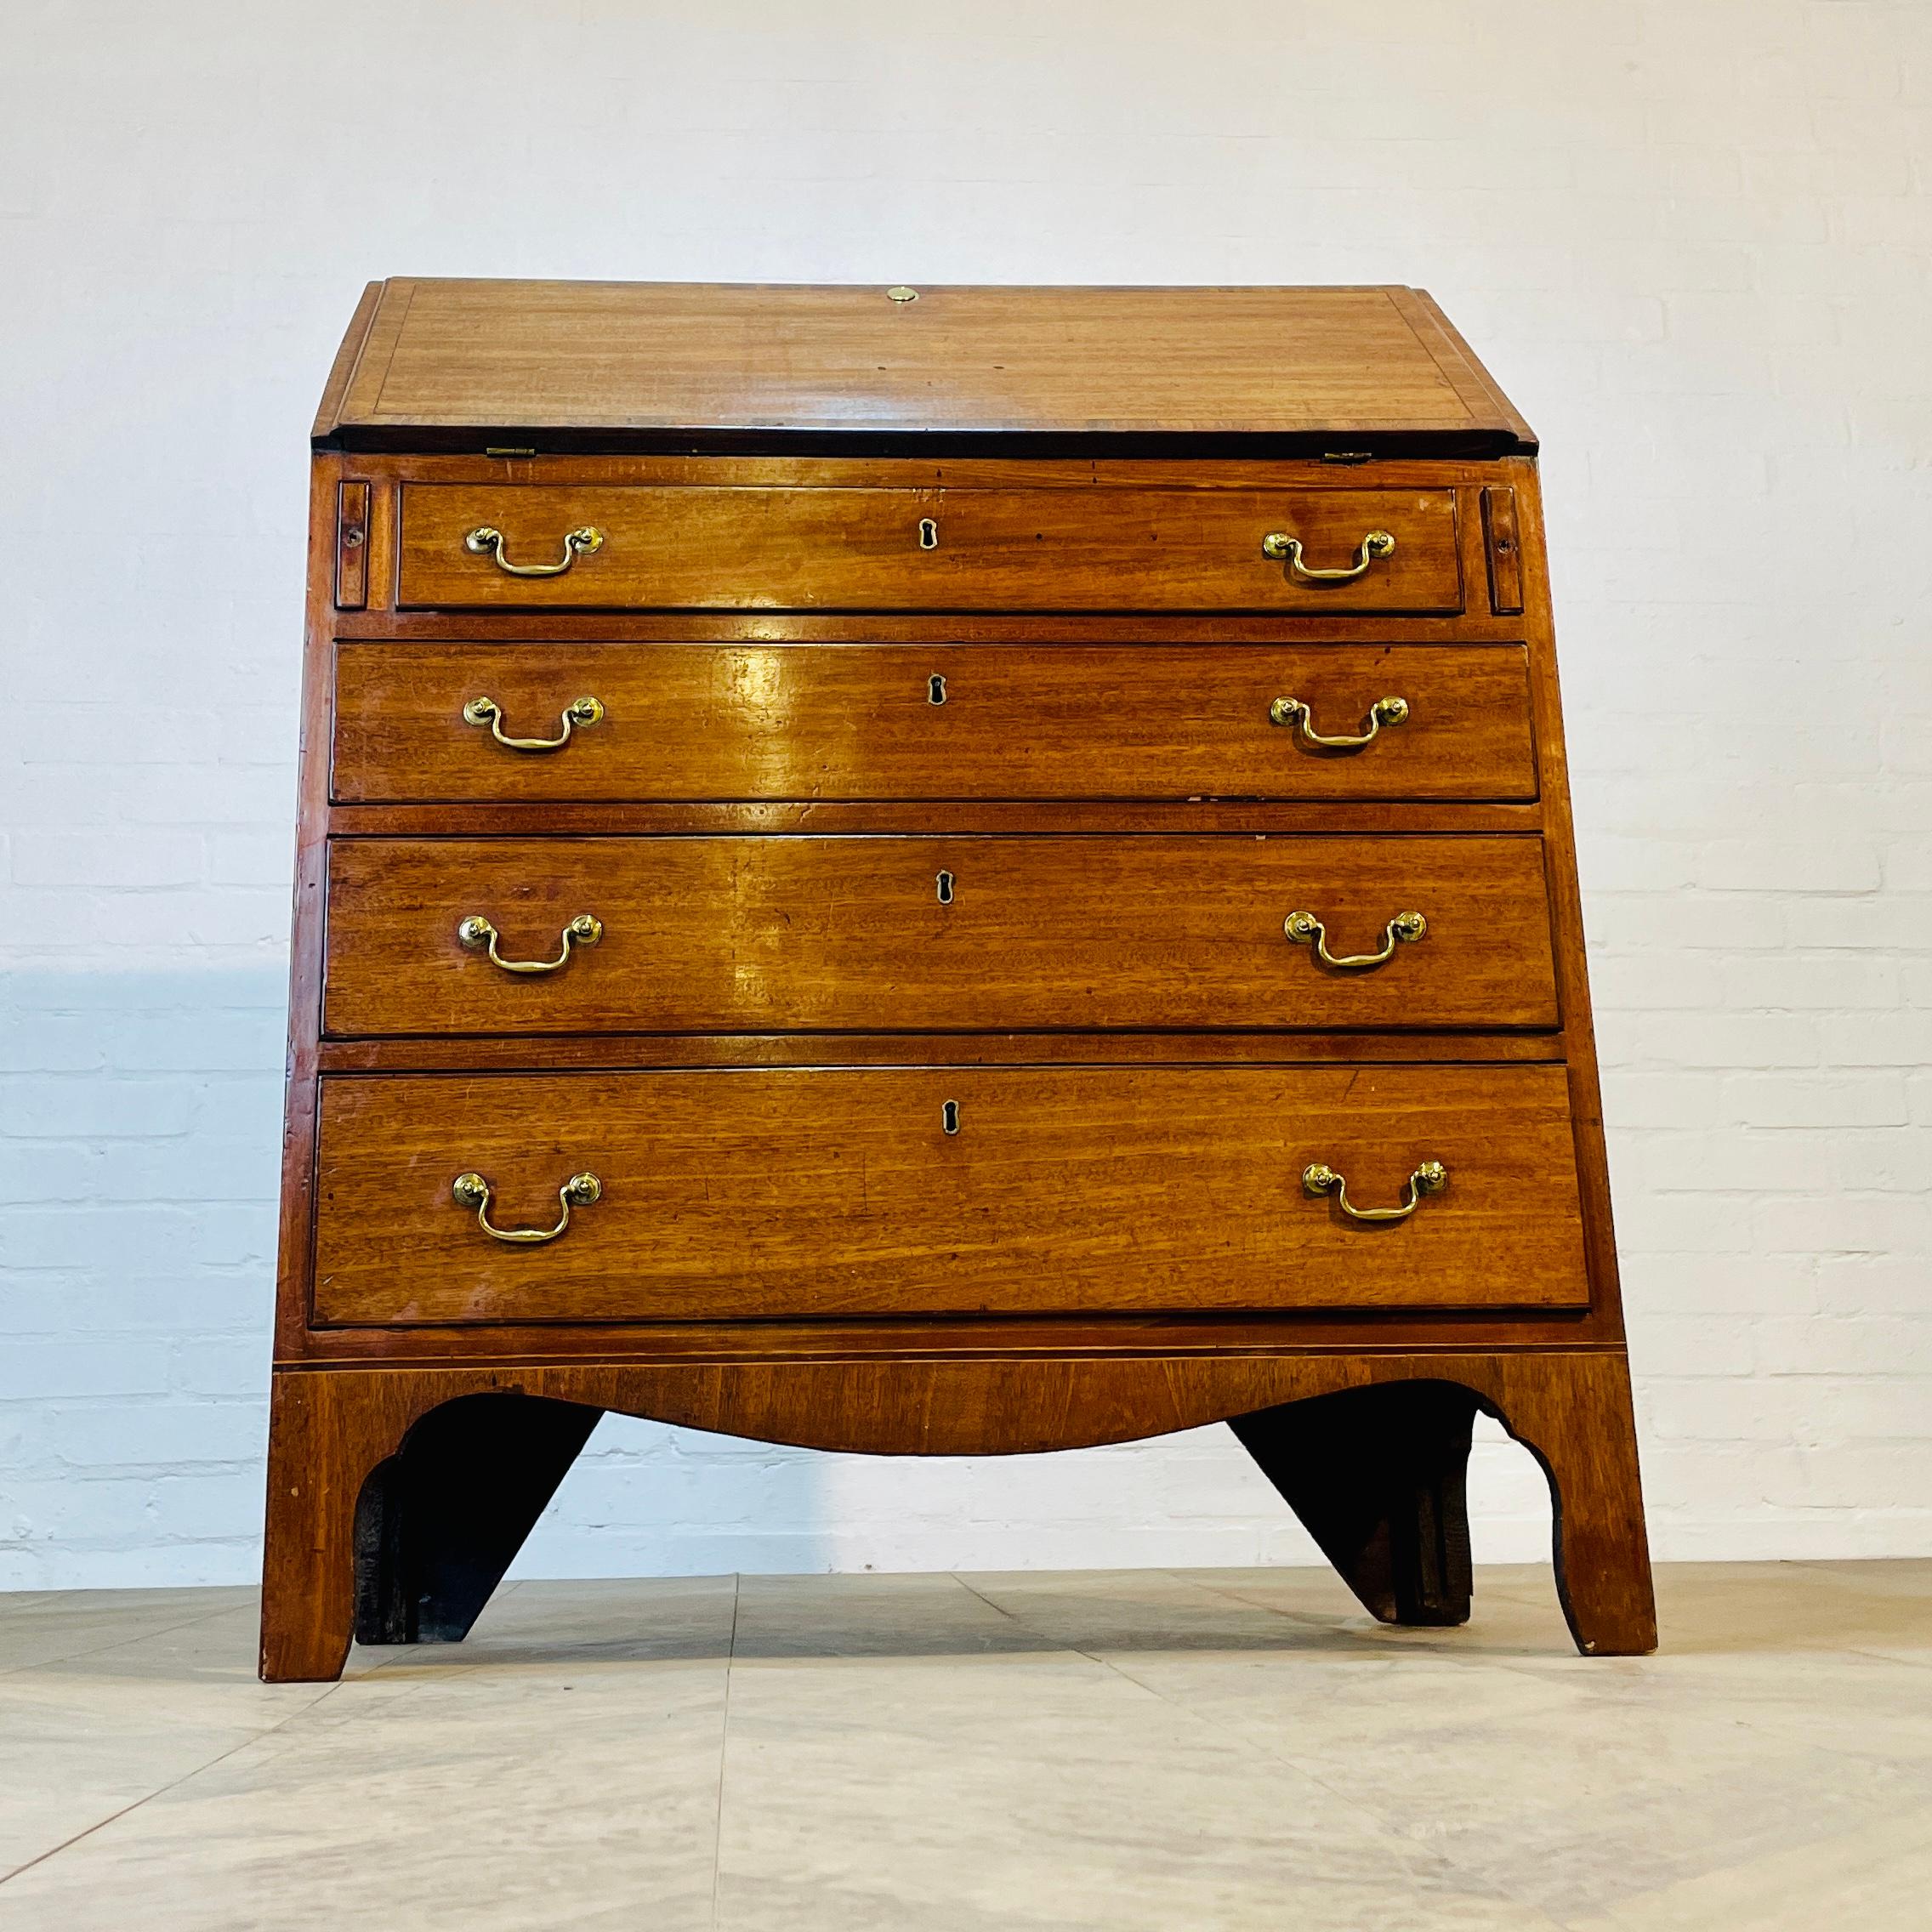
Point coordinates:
[[837, 1192], [932, 817], [555, 1053], [1570, 1408], [352, 546], [756, 1060], [947, 548], [807, 935], [866, 722], [1503, 549], [624, 365]]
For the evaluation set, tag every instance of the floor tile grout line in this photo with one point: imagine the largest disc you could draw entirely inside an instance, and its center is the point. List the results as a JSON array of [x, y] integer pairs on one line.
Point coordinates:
[[1126, 1676], [1832, 1566], [121, 1643], [172, 1784], [253, 1740], [724, 1748], [1299, 1620], [1241, 1738], [1229, 1595], [1892, 1657], [1533, 1666], [1447, 1863]]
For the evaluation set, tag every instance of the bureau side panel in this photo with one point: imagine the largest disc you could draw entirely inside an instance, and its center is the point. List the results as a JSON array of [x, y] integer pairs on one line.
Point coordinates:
[[1566, 912], [295, 1236]]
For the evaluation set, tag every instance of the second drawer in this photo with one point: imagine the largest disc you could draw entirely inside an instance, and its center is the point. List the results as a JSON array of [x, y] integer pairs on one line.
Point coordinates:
[[861, 721], [883, 935]]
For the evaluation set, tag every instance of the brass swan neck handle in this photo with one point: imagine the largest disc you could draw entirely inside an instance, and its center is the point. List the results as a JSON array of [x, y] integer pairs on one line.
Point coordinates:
[[472, 1190], [1278, 546], [1294, 713], [580, 714], [1305, 930], [477, 934], [487, 541], [1430, 1178]]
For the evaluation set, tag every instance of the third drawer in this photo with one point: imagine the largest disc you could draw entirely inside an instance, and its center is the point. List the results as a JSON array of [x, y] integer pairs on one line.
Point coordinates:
[[881, 933]]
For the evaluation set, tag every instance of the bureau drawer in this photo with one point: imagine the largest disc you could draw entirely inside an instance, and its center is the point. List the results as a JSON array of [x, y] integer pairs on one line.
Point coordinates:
[[853, 721], [827, 1192], [687, 548], [872, 934]]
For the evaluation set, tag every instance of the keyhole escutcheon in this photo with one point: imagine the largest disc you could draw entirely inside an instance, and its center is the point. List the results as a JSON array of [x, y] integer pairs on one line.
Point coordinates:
[[944, 883], [928, 533], [949, 1117], [935, 689]]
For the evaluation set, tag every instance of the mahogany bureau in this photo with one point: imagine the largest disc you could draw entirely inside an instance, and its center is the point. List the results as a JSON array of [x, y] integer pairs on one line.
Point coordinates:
[[931, 871]]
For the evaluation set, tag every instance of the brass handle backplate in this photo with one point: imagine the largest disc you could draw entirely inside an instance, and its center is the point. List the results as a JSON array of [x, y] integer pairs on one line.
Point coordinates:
[[472, 1190], [1430, 1178], [1291, 712], [581, 713], [1306, 929], [1279, 545], [487, 541], [478, 934]]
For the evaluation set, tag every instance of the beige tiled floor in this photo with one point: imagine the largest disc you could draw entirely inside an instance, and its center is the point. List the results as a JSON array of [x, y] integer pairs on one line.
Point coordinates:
[[1160, 1750]]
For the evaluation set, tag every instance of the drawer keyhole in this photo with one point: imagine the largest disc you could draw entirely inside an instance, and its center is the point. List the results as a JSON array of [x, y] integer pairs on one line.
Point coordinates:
[[935, 689], [949, 1117], [928, 533], [945, 889]]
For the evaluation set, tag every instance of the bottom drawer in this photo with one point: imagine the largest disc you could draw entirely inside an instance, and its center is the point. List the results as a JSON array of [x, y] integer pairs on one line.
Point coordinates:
[[822, 1192]]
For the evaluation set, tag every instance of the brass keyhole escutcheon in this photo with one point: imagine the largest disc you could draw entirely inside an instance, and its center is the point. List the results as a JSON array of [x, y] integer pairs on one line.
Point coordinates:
[[935, 689], [949, 1117], [928, 533], [945, 885]]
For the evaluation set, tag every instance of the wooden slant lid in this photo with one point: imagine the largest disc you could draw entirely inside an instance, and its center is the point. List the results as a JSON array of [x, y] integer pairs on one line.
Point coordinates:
[[617, 365]]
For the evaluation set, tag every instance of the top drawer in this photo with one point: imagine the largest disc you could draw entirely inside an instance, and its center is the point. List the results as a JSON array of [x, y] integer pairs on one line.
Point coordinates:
[[519, 546]]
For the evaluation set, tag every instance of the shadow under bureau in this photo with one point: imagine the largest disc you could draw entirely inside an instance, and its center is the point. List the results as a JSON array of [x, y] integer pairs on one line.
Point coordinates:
[[931, 871]]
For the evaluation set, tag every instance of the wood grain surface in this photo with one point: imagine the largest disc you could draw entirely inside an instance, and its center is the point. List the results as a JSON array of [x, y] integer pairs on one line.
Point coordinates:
[[840, 1191], [1015, 550], [1008, 1167], [868, 722], [703, 360], [805, 934], [330, 1429]]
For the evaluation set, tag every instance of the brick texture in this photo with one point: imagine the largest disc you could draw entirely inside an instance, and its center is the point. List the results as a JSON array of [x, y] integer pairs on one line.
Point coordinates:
[[1694, 240]]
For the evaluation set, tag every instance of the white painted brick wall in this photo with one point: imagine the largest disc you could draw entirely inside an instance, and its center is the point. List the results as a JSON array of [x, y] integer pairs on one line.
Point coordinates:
[[1694, 240]]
